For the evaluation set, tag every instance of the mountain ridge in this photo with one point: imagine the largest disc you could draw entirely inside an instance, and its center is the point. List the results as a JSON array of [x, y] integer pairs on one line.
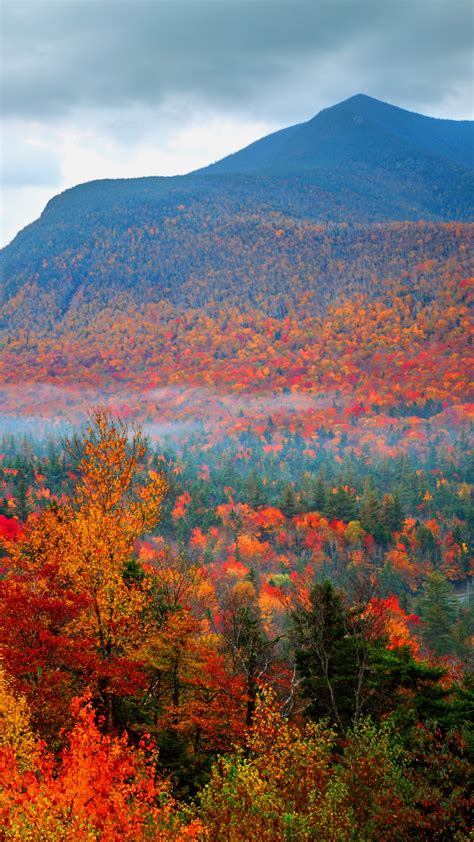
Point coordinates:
[[355, 105], [449, 139], [161, 236]]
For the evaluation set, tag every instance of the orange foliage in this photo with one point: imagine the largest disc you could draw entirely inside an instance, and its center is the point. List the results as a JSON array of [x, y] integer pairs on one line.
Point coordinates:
[[101, 786]]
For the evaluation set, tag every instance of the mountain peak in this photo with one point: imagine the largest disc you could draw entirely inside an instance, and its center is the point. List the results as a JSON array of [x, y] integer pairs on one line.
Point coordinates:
[[353, 102], [358, 98], [359, 131]]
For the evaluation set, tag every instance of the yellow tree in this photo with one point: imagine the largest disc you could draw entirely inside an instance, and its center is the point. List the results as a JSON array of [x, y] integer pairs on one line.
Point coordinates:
[[15, 727], [85, 547]]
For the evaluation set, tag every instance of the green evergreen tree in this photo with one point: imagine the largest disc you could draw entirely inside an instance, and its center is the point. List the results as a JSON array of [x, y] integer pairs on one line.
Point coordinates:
[[288, 502], [306, 492], [22, 503], [392, 513], [438, 614], [371, 515], [254, 491], [325, 656], [426, 548], [341, 505], [463, 632], [319, 498], [347, 670]]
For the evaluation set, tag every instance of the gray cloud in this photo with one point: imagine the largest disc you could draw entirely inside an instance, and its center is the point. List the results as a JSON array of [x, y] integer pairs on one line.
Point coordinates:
[[279, 59]]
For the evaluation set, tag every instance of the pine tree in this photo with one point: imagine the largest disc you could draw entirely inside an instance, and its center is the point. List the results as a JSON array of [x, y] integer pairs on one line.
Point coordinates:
[[392, 513], [371, 515], [347, 670], [289, 501], [22, 503], [438, 614], [319, 496], [254, 490], [325, 656], [306, 492], [341, 505]]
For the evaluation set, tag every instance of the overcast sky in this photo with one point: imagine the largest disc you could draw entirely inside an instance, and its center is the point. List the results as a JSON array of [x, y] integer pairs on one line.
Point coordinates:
[[119, 88]]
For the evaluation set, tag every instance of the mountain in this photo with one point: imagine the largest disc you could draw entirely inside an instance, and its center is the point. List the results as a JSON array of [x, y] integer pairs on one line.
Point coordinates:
[[359, 131], [301, 202]]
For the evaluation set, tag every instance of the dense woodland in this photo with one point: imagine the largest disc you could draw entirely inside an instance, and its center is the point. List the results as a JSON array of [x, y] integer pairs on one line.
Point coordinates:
[[253, 618], [235, 603], [201, 648]]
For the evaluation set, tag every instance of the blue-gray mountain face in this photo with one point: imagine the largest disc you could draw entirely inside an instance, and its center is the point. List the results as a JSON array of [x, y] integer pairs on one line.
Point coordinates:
[[358, 163], [359, 131]]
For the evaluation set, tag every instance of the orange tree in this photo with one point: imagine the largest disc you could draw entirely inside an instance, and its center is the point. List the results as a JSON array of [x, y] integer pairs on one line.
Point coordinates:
[[98, 787], [73, 613]]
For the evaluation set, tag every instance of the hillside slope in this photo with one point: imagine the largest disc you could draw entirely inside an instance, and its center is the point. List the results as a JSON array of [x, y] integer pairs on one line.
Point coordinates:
[[252, 219]]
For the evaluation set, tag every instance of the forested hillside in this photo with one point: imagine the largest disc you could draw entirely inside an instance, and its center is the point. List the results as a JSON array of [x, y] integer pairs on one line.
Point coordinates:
[[360, 161], [235, 596]]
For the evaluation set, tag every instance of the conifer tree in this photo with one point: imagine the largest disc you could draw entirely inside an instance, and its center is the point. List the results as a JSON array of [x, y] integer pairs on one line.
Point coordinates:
[[289, 501], [438, 614]]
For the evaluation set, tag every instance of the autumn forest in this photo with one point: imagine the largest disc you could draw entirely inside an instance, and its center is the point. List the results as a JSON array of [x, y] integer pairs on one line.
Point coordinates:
[[236, 498]]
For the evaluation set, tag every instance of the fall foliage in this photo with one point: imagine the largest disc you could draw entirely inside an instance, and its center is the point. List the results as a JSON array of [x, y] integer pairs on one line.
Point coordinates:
[[211, 681]]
